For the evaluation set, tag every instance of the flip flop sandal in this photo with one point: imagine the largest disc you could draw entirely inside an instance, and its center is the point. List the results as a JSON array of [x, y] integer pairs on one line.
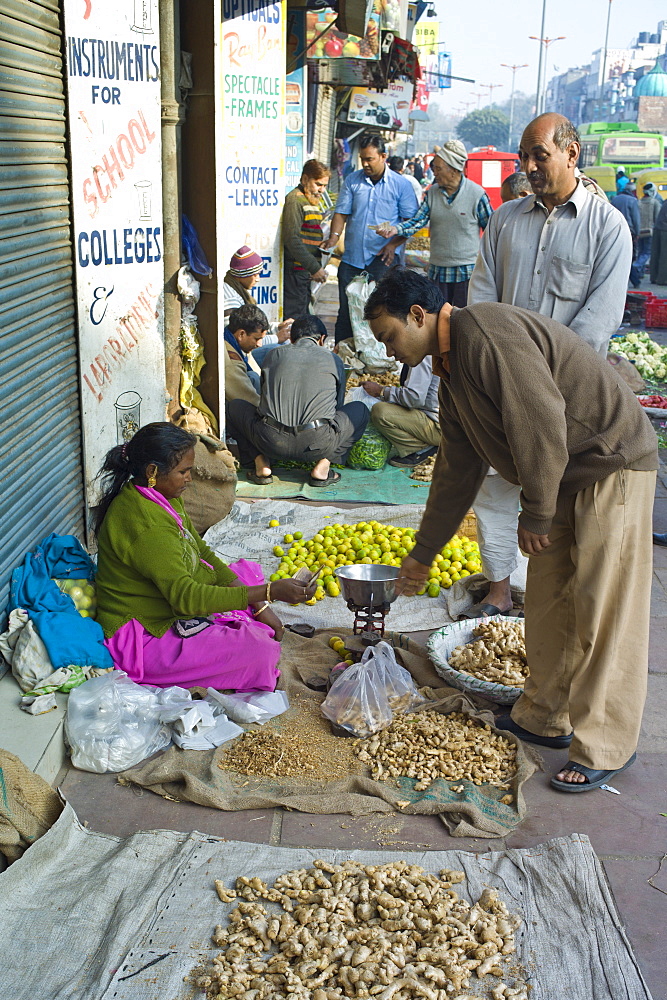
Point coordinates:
[[480, 611], [332, 478], [259, 480], [555, 742], [595, 778]]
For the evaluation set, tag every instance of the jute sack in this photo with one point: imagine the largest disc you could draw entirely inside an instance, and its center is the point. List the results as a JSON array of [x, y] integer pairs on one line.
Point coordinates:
[[28, 806], [210, 496]]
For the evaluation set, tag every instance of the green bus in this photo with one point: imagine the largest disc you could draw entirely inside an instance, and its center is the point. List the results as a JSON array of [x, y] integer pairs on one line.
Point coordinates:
[[606, 146]]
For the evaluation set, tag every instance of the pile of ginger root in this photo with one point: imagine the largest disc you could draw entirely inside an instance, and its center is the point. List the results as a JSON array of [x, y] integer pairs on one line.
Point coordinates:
[[387, 932], [498, 655]]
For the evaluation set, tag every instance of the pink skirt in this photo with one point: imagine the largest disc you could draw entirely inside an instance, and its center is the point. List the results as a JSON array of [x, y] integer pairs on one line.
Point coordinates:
[[235, 652]]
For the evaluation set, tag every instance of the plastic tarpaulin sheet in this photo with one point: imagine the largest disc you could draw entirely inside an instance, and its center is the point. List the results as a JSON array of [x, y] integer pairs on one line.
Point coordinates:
[[88, 916]]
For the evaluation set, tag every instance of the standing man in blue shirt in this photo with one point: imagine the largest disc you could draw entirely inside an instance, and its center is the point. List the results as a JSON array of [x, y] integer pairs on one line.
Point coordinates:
[[369, 197]]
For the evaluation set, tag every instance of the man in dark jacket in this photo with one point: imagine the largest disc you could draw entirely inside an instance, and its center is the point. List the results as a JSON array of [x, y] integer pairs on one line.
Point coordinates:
[[302, 414], [516, 391]]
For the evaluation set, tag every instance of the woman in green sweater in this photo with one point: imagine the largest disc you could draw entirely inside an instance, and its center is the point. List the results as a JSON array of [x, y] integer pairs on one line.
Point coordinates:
[[172, 612]]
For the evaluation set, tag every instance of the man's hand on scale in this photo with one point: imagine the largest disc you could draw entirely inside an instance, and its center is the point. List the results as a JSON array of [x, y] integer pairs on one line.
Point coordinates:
[[412, 576]]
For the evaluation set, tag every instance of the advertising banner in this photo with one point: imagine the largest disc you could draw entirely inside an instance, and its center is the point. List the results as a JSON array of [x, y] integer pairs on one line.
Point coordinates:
[[389, 109], [251, 146], [334, 44], [113, 84], [295, 99]]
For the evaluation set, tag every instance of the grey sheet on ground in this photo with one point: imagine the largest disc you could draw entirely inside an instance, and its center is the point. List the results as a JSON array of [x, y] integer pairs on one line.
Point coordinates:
[[87, 916], [476, 811], [245, 534]]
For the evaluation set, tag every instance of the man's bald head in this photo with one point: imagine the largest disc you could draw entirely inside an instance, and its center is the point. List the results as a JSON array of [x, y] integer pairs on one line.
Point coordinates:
[[549, 150], [559, 128]]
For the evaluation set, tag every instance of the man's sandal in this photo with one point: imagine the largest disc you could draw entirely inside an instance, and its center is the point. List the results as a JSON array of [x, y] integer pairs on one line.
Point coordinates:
[[331, 479], [555, 742], [254, 477], [594, 779], [481, 610]]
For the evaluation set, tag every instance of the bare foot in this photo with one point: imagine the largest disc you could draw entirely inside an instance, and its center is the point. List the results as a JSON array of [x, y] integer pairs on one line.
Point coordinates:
[[262, 467], [321, 469], [499, 595], [570, 777]]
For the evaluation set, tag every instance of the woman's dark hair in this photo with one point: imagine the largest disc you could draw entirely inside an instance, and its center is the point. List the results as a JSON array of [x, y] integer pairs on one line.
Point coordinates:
[[307, 326], [400, 290], [160, 444]]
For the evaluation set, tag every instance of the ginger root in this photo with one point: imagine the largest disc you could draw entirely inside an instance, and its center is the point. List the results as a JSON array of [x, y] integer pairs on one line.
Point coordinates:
[[498, 654]]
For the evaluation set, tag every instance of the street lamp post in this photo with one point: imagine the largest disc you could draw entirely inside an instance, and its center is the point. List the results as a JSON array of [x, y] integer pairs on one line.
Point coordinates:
[[478, 95], [490, 87], [541, 59], [514, 68], [606, 45], [544, 45]]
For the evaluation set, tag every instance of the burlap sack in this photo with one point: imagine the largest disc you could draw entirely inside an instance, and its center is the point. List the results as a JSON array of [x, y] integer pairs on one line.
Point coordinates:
[[210, 496], [193, 776], [28, 806], [627, 371]]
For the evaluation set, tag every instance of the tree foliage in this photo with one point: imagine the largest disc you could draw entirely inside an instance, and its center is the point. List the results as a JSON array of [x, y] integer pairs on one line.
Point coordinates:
[[486, 127]]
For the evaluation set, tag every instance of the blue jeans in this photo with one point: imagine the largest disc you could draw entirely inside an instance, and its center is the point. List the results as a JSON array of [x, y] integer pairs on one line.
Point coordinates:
[[641, 260]]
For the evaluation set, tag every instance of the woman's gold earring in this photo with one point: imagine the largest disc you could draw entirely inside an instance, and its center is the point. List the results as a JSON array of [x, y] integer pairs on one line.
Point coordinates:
[[152, 481]]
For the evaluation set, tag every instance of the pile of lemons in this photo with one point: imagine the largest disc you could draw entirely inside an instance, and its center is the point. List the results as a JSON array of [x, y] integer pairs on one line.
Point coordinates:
[[374, 543], [83, 594], [338, 646]]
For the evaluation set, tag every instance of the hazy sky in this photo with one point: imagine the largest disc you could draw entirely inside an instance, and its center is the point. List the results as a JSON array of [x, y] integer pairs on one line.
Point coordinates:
[[481, 37]]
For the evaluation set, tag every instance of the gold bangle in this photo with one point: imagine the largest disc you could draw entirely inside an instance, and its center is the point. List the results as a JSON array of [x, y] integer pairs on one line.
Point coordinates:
[[268, 592], [259, 610]]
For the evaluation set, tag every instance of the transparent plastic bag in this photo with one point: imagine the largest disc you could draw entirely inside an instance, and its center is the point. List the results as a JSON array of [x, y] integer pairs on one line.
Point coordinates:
[[399, 684], [113, 723], [358, 702], [370, 350], [365, 696]]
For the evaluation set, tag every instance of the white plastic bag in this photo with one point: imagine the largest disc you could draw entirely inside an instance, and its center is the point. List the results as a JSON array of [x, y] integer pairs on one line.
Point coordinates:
[[371, 351], [365, 696], [251, 706], [113, 723]]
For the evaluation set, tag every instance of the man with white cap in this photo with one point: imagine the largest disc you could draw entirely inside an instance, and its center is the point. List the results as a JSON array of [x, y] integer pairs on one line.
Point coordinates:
[[456, 209]]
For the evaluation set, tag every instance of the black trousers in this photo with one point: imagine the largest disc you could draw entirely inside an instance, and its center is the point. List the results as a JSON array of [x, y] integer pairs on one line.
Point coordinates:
[[455, 292], [333, 440], [296, 292]]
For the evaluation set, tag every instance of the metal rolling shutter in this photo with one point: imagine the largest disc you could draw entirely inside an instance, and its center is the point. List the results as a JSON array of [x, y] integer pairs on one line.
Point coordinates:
[[40, 430], [325, 121]]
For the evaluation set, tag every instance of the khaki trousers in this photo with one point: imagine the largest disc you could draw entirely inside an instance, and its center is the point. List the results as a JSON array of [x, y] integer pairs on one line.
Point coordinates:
[[408, 430], [587, 621]]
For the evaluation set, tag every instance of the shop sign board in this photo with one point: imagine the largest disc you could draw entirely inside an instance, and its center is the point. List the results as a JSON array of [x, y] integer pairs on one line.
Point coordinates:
[[295, 99], [388, 109], [250, 145], [113, 86]]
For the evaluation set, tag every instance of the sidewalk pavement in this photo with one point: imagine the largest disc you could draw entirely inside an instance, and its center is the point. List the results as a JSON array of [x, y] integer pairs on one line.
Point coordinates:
[[627, 830]]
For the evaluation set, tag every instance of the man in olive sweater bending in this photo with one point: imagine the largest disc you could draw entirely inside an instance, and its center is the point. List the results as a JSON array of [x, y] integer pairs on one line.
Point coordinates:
[[526, 395]]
